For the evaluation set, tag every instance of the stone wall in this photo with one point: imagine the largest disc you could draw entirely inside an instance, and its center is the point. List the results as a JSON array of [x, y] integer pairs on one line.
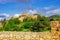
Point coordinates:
[[55, 30], [53, 35], [25, 36]]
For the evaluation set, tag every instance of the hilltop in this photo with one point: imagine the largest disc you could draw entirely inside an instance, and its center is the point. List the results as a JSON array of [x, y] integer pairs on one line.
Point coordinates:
[[56, 17], [27, 23]]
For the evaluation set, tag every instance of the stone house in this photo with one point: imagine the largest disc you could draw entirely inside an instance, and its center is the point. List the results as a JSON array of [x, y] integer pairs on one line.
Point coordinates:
[[25, 15]]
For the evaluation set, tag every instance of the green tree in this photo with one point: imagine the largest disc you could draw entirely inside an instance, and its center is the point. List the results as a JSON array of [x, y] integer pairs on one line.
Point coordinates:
[[11, 28], [42, 24], [12, 25], [4, 22], [1, 29], [27, 26], [25, 19], [14, 21], [29, 20], [42, 18]]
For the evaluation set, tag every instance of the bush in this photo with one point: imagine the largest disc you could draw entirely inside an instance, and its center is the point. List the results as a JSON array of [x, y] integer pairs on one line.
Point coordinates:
[[42, 24]]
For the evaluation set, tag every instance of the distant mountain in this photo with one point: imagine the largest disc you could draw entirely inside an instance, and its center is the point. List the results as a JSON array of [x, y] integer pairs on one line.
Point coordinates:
[[56, 17], [2, 16]]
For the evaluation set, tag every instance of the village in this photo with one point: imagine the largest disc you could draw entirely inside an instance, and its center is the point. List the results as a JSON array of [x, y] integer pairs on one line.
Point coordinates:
[[22, 17]]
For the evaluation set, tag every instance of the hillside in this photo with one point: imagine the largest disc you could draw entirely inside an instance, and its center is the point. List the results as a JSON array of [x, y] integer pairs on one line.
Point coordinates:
[[33, 23], [56, 17]]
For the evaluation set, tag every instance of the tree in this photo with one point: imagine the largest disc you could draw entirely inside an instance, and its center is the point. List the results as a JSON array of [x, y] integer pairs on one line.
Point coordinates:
[[1, 29], [4, 22], [12, 25], [14, 21], [42, 24], [35, 27], [25, 19], [42, 18], [27, 26], [32, 20], [10, 28]]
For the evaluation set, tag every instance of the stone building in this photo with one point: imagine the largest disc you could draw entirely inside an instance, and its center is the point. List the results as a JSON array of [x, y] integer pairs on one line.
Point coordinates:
[[25, 15], [34, 16]]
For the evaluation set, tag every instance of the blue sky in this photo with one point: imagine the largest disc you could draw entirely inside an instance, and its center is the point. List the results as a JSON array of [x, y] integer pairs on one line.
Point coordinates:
[[17, 7]]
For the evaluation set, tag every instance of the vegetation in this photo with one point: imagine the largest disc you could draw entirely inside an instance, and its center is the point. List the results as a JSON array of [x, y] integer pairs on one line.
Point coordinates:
[[42, 24], [56, 17], [31, 25]]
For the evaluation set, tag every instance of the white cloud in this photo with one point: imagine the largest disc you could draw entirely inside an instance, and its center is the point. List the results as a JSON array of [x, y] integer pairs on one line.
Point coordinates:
[[16, 15], [32, 11], [49, 8], [55, 11], [1, 19], [5, 14], [46, 8]]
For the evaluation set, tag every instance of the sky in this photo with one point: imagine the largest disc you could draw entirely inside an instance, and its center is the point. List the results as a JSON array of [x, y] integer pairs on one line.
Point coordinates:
[[15, 8]]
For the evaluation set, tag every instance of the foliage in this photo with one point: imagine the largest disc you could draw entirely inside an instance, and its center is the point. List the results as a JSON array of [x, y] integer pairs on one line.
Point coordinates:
[[42, 24], [4, 22], [29, 24], [56, 17], [1, 29], [14, 21], [29, 20], [12, 25]]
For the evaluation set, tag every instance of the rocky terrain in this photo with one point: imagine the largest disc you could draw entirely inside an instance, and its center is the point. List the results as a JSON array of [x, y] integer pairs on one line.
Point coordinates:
[[25, 36], [53, 35]]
